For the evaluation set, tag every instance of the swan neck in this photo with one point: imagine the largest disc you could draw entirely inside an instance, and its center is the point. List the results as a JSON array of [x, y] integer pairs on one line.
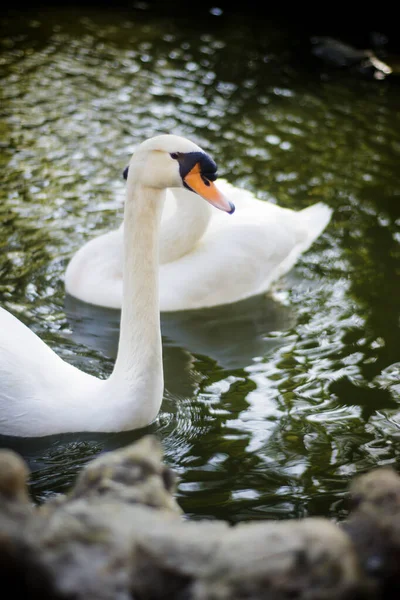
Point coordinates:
[[139, 348], [185, 226]]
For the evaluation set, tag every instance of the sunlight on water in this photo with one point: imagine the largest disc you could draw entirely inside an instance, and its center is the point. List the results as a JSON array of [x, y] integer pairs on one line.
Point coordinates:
[[270, 405]]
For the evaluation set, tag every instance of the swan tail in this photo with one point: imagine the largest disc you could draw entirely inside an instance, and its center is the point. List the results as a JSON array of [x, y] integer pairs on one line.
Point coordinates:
[[314, 218], [311, 222]]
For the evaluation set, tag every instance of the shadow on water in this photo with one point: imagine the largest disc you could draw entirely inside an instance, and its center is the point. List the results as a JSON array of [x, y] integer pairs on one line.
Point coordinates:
[[232, 335]]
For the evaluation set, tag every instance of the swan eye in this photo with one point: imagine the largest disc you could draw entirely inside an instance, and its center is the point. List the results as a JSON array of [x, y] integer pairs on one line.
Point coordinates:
[[125, 173], [174, 155]]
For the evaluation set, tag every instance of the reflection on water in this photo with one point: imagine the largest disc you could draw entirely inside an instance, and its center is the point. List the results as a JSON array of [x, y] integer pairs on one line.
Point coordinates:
[[272, 404]]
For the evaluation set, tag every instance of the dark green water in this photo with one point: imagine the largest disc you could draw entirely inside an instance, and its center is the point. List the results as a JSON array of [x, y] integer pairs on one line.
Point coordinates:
[[270, 405]]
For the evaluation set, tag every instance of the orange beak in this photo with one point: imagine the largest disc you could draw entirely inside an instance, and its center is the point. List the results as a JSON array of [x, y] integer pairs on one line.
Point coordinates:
[[207, 190]]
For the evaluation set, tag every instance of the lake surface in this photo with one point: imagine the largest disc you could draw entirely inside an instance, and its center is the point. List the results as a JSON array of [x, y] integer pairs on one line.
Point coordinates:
[[273, 404]]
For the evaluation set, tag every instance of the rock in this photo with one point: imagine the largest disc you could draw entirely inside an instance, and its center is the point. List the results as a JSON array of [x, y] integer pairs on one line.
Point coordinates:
[[374, 527], [13, 478], [377, 492], [301, 559], [119, 534], [133, 475], [21, 568]]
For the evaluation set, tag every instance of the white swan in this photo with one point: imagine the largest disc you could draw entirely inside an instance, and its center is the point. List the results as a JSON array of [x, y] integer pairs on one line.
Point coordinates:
[[215, 262], [40, 394]]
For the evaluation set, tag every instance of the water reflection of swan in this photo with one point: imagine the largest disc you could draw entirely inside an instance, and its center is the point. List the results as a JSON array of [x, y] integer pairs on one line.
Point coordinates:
[[40, 394], [206, 259]]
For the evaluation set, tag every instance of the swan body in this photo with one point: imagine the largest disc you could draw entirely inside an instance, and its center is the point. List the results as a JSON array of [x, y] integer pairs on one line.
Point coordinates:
[[219, 261], [40, 394]]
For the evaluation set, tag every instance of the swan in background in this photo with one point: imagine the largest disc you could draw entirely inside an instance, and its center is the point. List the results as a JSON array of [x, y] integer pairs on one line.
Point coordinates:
[[94, 275], [205, 259], [40, 394]]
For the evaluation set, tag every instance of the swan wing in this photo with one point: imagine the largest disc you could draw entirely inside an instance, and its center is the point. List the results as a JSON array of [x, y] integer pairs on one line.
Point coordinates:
[[240, 258]]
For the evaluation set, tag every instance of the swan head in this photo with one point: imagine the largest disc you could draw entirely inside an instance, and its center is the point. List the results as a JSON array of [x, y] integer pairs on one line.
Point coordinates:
[[171, 161]]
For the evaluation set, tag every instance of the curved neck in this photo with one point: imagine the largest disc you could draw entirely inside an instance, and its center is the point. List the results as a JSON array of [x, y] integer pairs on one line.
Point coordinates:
[[185, 226], [139, 357]]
